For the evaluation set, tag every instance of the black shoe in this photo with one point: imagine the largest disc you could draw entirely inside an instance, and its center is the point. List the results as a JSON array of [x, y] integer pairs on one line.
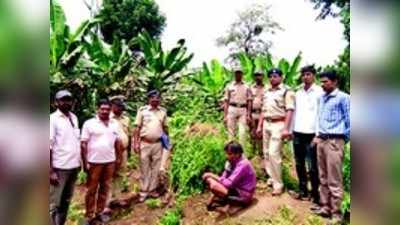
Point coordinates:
[[299, 195]]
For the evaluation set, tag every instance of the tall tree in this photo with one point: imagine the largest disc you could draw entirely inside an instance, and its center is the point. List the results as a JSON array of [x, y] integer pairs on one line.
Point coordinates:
[[125, 19], [339, 8], [250, 32]]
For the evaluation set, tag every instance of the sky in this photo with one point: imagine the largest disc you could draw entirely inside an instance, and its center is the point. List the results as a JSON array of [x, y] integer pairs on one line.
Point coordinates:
[[202, 22]]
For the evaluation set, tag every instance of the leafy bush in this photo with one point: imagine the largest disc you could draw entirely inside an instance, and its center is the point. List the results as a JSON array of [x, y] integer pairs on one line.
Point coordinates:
[[192, 157], [174, 216], [346, 180], [194, 154], [171, 217]]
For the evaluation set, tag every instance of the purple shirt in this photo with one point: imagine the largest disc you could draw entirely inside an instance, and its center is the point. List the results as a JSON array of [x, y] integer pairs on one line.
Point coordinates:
[[241, 177]]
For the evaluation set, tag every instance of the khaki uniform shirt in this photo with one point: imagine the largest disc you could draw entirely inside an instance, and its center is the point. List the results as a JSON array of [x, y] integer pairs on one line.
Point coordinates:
[[257, 93], [124, 128], [277, 101], [238, 93], [151, 122]]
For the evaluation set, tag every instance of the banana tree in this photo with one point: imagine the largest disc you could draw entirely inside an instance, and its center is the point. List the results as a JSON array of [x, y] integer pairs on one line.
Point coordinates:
[[66, 47], [67, 67], [291, 70], [162, 68], [112, 71], [211, 80], [265, 62]]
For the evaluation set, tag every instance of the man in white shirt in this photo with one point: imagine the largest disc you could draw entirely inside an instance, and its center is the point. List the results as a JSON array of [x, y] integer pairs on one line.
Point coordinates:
[[305, 128], [99, 144], [64, 156]]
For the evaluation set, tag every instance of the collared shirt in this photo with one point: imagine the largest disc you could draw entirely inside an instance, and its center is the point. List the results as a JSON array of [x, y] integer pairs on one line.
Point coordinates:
[[257, 93], [238, 93], [241, 177], [277, 101], [151, 122], [334, 114], [306, 111], [124, 128], [101, 140], [64, 140]]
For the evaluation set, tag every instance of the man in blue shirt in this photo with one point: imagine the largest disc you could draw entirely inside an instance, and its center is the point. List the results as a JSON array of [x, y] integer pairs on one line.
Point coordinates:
[[333, 130]]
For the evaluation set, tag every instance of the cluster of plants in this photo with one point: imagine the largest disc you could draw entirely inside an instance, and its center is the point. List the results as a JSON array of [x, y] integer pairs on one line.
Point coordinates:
[[193, 155]]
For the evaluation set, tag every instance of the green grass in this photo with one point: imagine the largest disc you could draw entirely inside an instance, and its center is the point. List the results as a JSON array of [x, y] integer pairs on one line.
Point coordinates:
[[171, 217], [153, 203], [285, 216]]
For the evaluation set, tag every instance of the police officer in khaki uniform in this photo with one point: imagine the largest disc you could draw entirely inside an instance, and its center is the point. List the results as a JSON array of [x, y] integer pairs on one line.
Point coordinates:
[[118, 114], [257, 92], [237, 106], [274, 125], [151, 123]]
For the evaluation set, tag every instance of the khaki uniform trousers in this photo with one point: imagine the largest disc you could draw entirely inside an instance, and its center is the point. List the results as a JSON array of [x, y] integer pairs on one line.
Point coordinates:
[[272, 150], [236, 118], [330, 161], [150, 162]]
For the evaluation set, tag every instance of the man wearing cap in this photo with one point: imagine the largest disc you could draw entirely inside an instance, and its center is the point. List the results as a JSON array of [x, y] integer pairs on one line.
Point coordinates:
[[100, 144], [64, 156], [237, 110], [332, 134], [304, 130], [118, 114], [274, 125], [150, 125], [257, 92]]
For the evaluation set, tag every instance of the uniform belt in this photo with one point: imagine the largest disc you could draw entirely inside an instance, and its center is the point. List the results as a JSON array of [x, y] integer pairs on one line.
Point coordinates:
[[149, 141], [238, 105], [274, 119], [331, 136], [256, 110]]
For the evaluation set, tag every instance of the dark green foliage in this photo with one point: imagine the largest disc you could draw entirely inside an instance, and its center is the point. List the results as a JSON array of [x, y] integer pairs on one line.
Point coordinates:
[[192, 157], [125, 19], [342, 64], [346, 179]]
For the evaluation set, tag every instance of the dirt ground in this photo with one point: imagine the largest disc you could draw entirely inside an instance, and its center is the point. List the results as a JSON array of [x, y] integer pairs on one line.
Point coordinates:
[[195, 213], [263, 208]]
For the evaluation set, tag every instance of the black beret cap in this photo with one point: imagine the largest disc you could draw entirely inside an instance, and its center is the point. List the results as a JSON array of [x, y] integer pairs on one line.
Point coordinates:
[[153, 93], [274, 70]]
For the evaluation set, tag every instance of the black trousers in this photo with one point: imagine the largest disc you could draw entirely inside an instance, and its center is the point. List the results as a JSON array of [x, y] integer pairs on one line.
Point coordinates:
[[306, 164]]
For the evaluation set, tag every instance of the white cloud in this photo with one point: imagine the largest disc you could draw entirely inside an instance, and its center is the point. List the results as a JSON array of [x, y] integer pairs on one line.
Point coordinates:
[[201, 22]]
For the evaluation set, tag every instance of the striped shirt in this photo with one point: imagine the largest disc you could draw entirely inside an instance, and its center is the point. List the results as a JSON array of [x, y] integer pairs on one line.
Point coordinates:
[[334, 114]]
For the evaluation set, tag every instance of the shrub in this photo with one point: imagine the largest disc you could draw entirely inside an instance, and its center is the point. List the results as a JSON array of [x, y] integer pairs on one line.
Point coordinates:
[[171, 217], [192, 157]]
